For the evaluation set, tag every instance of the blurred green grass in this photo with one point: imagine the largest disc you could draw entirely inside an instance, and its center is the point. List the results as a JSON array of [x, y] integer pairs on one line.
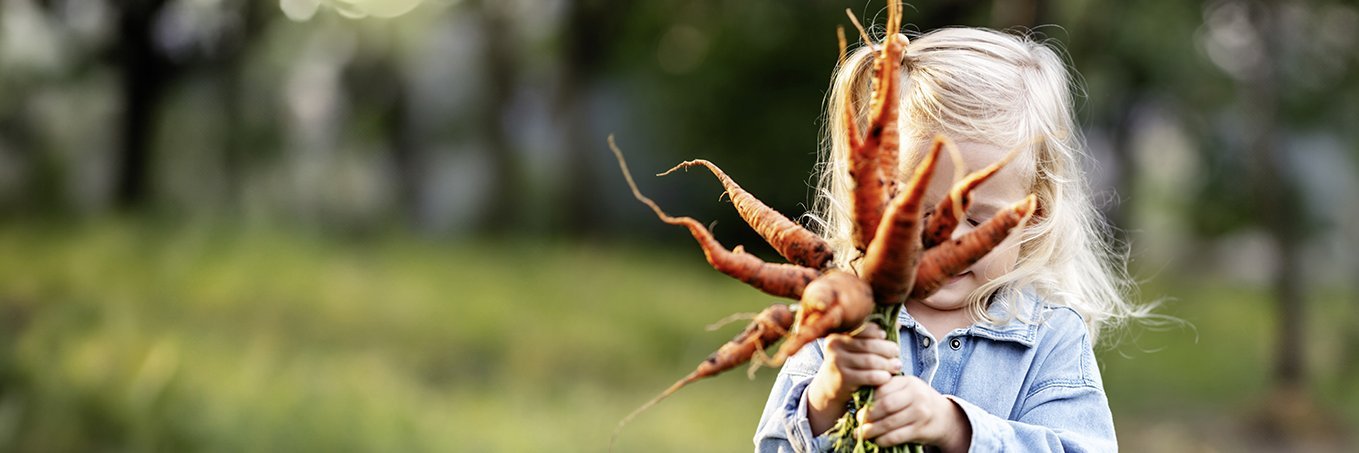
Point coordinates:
[[127, 336]]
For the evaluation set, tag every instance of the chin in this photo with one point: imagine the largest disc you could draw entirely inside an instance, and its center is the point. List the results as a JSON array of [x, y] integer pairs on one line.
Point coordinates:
[[951, 297]]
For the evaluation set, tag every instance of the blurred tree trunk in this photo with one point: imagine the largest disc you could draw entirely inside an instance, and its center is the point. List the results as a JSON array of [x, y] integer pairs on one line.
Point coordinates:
[[1279, 204], [144, 74], [376, 86], [235, 49], [1114, 115], [504, 205], [1119, 123], [44, 189], [584, 42], [1349, 356], [398, 134], [233, 153]]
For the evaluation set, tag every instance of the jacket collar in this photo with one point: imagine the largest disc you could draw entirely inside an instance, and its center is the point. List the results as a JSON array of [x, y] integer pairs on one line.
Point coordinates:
[[1018, 326]]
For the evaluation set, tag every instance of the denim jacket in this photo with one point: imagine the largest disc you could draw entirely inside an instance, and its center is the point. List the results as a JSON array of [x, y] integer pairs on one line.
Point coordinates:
[[1024, 386]]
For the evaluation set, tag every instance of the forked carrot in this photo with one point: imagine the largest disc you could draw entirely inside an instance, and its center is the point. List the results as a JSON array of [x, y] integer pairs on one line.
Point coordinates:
[[950, 258], [952, 208], [783, 280], [791, 240], [870, 189], [873, 184], [836, 302], [889, 148], [889, 264]]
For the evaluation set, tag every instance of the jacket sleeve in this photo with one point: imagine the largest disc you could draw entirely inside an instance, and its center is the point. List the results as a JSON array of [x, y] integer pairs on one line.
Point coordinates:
[[1064, 419], [783, 424], [1064, 409]]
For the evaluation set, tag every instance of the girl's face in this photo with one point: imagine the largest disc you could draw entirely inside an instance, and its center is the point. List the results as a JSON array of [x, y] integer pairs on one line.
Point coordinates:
[[1009, 185]]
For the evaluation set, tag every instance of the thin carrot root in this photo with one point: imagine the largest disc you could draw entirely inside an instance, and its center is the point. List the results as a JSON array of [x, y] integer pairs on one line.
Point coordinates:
[[850, 116], [948, 259], [766, 329], [836, 302], [643, 408], [863, 34], [889, 264], [760, 360], [783, 280], [729, 319], [952, 208], [797, 244], [840, 38]]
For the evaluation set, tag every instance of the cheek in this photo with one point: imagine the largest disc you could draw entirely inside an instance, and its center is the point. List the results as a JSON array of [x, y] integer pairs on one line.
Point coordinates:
[[1001, 260]]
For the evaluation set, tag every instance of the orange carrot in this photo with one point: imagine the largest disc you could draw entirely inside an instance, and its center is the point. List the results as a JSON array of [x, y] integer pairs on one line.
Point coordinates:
[[850, 117], [791, 240], [783, 280], [951, 209], [873, 158], [836, 302], [955, 256], [869, 189], [889, 264], [889, 149], [767, 328]]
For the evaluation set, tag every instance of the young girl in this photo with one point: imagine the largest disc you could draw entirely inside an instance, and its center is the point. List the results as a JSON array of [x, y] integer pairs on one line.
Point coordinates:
[[1001, 358]]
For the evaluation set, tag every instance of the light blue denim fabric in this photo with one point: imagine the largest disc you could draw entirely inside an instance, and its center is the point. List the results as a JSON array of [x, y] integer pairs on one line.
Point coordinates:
[[1024, 386]]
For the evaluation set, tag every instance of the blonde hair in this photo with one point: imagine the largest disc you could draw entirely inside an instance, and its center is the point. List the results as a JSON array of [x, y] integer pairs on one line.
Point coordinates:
[[990, 87]]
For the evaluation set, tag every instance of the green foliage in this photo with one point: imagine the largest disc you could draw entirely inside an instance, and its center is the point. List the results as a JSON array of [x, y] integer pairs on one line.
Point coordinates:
[[120, 336], [125, 338]]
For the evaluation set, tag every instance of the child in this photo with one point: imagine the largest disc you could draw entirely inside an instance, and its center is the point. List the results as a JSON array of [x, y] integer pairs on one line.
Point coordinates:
[[1000, 358]]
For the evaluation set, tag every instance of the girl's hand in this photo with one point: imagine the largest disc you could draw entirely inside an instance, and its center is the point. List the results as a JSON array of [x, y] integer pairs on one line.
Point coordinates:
[[850, 362], [906, 409]]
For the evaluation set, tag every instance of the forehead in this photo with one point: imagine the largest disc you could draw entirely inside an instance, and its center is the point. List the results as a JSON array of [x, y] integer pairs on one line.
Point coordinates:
[[1007, 186]]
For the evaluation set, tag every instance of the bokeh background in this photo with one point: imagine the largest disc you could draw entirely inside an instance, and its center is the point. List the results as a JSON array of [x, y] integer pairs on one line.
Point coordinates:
[[394, 225]]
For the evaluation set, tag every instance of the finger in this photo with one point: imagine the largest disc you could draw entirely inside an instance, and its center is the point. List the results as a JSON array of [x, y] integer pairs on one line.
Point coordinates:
[[912, 384], [912, 414], [888, 403], [837, 342], [896, 395], [862, 361], [883, 348], [860, 378], [873, 429], [843, 342], [896, 436], [890, 413], [895, 385]]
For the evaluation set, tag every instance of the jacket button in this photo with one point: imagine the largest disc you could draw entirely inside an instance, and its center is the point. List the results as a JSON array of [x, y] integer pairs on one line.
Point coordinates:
[[925, 342], [956, 344]]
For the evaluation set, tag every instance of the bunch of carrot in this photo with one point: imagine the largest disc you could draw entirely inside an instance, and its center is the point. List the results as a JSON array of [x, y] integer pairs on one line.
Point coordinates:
[[903, 255]]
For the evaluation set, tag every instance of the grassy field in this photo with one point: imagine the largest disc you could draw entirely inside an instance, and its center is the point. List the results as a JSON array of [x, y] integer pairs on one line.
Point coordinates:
[[123, 337]]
